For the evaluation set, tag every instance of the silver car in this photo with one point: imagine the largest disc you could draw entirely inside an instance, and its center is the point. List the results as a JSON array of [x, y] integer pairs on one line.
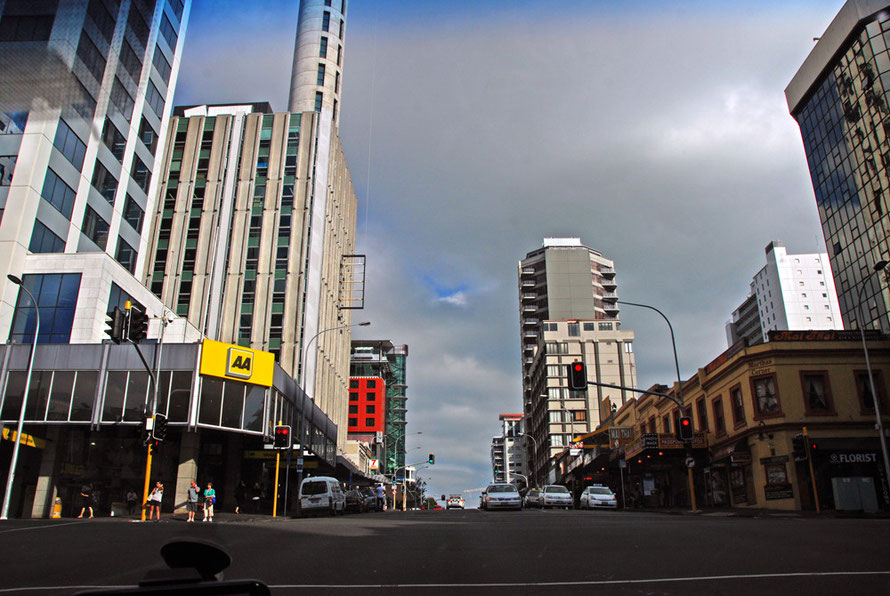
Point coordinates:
[[501, 496], [556, 495], [598, 497]]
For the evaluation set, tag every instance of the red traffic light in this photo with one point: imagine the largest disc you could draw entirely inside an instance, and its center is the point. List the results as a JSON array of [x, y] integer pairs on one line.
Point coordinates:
[[282, 437]]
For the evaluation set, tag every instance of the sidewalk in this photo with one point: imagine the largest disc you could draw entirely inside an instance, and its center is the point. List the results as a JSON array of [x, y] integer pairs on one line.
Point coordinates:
[[759, 512]]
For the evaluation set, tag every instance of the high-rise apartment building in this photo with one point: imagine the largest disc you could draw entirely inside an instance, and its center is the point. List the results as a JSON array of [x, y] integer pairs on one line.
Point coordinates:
[[791, 292], [569, 311], [83, 116], [839, 97], [508, 461]]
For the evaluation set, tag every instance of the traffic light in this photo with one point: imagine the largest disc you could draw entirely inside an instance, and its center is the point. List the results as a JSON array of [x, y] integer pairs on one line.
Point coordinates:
[[577, 376], [138, 326], [799, 448], [432, 458], [116, 325], [159, 428], [282, 437], [684, 429]]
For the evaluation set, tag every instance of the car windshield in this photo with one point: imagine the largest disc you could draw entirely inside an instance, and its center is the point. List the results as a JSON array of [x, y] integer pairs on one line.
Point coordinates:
[[502, 489], [600, 491], [556, 489], [314, 488]]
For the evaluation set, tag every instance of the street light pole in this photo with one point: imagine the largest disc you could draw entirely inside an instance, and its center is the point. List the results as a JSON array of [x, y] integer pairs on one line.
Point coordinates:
[[679, 391], [880, 265], [303, 409], [4, 513]]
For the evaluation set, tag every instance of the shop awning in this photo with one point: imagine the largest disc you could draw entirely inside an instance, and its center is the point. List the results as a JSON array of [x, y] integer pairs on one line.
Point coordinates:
[[737, 452]]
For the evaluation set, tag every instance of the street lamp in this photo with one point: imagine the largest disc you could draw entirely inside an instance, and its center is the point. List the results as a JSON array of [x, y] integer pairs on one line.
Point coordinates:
[[880, 265], [535, 452], [4, 514], [679, 399], [303, 407]]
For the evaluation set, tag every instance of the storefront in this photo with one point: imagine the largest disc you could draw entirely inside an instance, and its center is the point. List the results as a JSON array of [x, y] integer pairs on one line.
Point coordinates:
[[729, 479], [657, 467], [850, 474]]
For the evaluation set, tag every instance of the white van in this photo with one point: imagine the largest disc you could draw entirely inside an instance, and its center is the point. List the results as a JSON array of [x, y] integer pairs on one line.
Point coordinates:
[[322, 494]]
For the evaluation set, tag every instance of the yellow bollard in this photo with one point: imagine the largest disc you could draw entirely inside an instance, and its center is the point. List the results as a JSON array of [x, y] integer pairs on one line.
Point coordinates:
[[57, 508]]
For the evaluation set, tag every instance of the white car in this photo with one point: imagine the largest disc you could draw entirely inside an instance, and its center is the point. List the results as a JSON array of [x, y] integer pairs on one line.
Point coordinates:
[[501, 496], [598, 496], [322, 494], [556, 495], [454, 502]]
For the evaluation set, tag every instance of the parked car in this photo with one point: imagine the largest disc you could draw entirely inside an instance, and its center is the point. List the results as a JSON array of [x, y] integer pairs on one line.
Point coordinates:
[[355, 501], [319, 494], [501, 496], [556, 495], [370, 497], [533, 497], [455, 502], [598, 496]]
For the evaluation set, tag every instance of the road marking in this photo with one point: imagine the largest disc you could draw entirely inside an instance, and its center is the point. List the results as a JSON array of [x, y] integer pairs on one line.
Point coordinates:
[[41, 527], [605, 582]]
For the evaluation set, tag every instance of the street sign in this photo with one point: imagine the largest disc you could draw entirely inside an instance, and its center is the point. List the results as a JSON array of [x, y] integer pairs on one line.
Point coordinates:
[[690, 462], [374, 464]]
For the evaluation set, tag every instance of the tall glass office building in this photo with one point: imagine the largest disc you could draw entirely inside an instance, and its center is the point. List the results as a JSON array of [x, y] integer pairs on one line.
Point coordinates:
[[839, 97]]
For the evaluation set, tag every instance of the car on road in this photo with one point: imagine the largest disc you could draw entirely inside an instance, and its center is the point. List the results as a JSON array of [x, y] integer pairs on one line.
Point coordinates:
[[455, 502], [370, 496], [355, 501], [501, 496], [598, 496], [321, 494], [533, 497], [556, 495]]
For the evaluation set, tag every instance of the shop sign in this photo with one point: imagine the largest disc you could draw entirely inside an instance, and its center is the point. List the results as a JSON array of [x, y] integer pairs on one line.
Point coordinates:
[[778, 491], [374, 465], [620, 435], [9, 434], [851, 458], [740, 457], [664, 441], [776, 459], [229, 361], [828, 335]]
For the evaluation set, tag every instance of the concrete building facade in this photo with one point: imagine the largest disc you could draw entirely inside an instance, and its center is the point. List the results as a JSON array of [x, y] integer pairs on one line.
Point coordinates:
[[568, 312], [793, 292], [508, 461]]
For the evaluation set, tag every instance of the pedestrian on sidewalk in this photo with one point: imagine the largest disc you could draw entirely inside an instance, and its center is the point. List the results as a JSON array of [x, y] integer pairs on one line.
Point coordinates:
[[381, 498], [154, 501], [132, 497], [191, 504], [209, 502], [240, 496], [256, 497], [86, 500]]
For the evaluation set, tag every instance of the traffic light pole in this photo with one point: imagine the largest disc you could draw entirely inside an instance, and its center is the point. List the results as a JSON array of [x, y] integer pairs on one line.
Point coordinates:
[[806, 438]]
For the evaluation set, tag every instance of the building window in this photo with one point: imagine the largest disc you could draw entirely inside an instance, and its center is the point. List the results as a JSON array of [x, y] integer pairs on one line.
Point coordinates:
[[353, 396], [319, 98], [113, 139], [353, 383], [26, 27], [320, 77], [130, 61], [43, 240], [126, 255], [719, 423], [169, 32], [816, 392], [605, 326], [371, 397], [325, 22], [371, 384], [369, 421], [766, 397], [133, 214], [702, 414], [353, 409], [90, 55], [370, 409], [147, 135], [95, 228], [141, 174], [137, 25], [56, 294], [574, 330], [323, 50], [155, 99], [628, 347], [353, 422], [104, 182], [161, 64], [121, 98], [58, 194], [863, 388], [738, 406], [70, 145], [666, 423]]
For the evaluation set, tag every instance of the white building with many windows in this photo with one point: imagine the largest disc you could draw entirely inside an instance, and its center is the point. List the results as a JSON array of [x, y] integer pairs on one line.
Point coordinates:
[[791, 292]]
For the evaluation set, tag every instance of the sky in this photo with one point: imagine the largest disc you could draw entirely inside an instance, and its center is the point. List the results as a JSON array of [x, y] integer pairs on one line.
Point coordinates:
[[657, 133]]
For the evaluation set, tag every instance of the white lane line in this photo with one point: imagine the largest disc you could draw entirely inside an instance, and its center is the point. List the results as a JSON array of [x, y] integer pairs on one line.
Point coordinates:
[[612, 582], [59, 525]]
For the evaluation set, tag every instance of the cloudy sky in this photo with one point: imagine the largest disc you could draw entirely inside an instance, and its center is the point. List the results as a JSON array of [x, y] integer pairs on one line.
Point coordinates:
[[656, 132]]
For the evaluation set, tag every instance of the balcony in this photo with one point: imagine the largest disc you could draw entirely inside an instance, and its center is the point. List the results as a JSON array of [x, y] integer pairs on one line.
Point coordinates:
[[610, 295], [526, 296], [528, 271], [528, 283], [530, 322], [610, 284], [610, 307], [531, 308], [530, 334], [607, 272]]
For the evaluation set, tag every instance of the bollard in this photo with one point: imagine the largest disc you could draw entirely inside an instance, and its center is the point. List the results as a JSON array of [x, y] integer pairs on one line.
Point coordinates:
[[57, 508]]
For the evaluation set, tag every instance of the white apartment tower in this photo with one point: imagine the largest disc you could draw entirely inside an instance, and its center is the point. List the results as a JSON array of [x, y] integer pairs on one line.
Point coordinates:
[[508, 461], [568, 310], [791, 292]]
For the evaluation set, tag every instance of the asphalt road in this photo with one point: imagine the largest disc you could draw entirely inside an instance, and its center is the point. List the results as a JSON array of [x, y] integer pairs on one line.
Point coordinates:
[[472, 552]]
